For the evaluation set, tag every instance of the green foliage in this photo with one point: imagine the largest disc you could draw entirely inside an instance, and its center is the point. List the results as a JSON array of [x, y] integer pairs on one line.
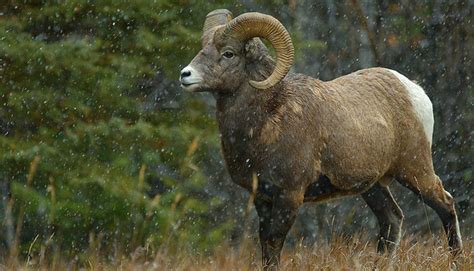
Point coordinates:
[[70, 94]]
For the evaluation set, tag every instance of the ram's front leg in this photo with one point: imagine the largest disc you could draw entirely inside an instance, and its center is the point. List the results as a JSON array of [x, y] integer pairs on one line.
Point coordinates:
[[273, 230], [264, 210]]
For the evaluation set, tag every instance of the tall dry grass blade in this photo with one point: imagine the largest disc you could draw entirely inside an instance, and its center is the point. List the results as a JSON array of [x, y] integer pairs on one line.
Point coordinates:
[[29, 256], [8, 222], [193, 147], [253, 194], [176, 201], [141, 177], [21, 213], [248, 210]]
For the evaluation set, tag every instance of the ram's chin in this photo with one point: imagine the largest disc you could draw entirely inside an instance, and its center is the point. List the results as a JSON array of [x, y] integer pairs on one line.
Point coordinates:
[[191, 87]]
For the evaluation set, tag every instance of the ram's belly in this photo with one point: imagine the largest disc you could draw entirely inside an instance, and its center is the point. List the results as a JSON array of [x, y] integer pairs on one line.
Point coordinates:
[[359, 154]]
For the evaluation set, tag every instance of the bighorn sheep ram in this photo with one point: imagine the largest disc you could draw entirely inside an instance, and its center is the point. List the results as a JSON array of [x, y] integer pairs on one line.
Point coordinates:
[[309, 140]]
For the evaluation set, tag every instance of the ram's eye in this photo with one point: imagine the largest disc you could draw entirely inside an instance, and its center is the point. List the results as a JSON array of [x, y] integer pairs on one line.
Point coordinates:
[[228, 54]]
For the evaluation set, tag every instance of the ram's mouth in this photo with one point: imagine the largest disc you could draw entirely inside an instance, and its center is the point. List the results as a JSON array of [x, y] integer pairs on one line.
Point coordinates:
[[191, 87]]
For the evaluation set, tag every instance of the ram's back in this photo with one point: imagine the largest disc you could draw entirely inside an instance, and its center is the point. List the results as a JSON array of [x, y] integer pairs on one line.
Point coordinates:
[[369, 122]]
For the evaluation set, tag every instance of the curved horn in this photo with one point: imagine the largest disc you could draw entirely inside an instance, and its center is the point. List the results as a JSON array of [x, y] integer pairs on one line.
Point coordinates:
[[254, 24], [215, 18]]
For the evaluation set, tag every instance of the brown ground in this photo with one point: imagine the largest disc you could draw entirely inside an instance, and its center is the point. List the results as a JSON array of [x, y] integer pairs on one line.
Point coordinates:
[[341, 254]]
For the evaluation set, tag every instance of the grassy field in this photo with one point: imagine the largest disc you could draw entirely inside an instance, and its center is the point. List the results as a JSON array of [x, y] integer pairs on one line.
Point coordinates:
[[341, 254]]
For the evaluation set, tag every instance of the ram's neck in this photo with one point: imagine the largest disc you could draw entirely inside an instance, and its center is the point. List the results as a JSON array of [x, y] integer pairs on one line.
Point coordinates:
[[241, 117], [247, 109], [243, 110]]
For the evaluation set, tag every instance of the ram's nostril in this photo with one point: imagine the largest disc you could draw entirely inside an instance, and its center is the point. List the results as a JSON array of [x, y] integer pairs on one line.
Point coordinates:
[[185, 74]]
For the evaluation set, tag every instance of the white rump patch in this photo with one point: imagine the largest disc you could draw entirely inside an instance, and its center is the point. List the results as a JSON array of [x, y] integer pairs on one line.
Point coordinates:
[[421, 103]]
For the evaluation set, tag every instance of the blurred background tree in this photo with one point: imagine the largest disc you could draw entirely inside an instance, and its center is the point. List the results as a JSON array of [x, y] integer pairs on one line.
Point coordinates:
[[100, 150]]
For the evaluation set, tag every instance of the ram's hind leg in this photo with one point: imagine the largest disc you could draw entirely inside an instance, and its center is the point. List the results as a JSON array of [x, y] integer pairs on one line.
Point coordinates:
[[431, 191], [389, 216]]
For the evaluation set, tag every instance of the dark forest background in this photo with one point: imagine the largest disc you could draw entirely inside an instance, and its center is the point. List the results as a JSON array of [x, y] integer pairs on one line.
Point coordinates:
[[100, 149]]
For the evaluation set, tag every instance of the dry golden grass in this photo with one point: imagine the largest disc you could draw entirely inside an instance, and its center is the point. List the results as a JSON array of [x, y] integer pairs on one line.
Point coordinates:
[[341, 254]]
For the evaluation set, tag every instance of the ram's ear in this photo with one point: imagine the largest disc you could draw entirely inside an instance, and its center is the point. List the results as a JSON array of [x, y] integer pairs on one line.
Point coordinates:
[[254, 49]]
